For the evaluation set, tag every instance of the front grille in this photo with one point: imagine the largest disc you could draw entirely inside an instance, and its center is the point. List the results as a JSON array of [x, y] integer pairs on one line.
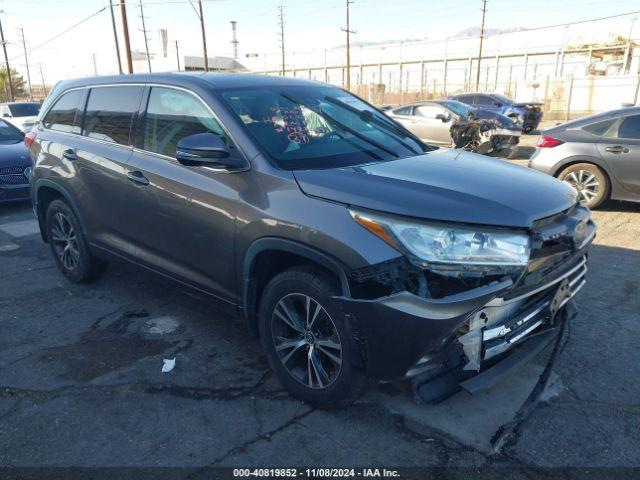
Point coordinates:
[[13, 180], [14, 170]]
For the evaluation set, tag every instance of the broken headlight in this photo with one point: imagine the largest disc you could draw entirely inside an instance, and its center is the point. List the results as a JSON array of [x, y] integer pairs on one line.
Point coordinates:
[[445, 244]]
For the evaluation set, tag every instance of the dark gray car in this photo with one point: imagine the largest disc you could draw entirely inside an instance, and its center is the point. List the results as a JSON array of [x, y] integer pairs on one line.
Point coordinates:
[[598, 155], [349, 247]]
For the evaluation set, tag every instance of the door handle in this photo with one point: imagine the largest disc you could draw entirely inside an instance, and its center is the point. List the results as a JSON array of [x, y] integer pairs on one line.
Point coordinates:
[[617, 149], [70, 154], [138, 177]]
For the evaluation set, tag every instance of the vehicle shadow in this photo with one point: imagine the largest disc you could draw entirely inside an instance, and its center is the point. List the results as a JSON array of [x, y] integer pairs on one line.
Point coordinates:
[[620, 206]]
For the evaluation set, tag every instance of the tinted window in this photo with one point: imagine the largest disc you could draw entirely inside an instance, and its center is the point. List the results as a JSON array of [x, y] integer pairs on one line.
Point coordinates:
[[484, 100], [630, 127], [403, 111], [171, 116], [24, 109], [66, 113], [318, 127], [468, 99], [9, 133], [599, 128], [110, 111]]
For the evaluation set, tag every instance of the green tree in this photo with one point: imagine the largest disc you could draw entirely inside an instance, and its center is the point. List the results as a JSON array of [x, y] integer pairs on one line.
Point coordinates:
[[17, 81]]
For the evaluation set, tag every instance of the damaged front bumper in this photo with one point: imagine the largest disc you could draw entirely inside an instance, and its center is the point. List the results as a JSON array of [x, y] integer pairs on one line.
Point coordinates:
[[469, 339]]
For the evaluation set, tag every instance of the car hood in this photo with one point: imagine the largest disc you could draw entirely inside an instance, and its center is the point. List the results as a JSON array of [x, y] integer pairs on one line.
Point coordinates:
[[445, 185], [14, 153]]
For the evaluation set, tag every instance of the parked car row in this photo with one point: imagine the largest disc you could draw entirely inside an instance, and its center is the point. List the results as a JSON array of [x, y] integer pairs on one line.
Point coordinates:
[[350, 247], [454, 124], [598, 155], [15, 164]]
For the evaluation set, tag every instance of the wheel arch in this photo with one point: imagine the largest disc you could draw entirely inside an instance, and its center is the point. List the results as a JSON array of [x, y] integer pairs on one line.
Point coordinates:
[[45, 192], [269, 256]]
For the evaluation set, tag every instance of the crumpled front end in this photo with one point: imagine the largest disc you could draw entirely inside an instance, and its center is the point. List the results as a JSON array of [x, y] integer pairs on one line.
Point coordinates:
[[481, 135], [468, 330]]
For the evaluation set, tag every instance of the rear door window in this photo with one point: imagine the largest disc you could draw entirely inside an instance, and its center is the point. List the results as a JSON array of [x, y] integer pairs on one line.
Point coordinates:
[[630, 127], [172, 115], [599, 128], [66, 113], [110, 112]]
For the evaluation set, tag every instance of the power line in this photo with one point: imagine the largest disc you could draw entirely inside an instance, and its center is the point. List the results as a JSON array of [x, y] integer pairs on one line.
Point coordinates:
[[484, 12], [26, 60], [6, 60], [146, 43], [348, 31], [115, 36], [61, 33], [281, 24]]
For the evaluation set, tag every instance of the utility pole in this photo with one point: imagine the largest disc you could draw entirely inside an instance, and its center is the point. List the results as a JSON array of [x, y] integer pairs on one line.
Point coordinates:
[[204, 37], [177, 55], [281, 15], [125, 29], [144, 31], [234, 39], [115, 36], [44, 87], [348, 32], [26, 61], [6, 61], [484, 11], [95, 65]]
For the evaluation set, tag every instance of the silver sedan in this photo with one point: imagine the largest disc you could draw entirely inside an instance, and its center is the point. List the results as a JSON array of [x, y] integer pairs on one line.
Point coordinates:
[[598, 155]]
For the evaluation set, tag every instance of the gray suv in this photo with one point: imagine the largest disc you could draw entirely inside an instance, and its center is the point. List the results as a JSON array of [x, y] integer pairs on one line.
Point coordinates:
[[349, 247]]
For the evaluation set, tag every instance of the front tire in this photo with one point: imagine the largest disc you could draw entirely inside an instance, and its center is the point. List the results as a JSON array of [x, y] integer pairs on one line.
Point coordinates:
[[590, 182], [306, 340], [68, 245]]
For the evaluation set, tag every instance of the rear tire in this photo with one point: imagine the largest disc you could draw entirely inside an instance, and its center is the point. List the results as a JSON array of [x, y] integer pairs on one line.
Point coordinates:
[[590, 181], [306, 340], [68, 245]]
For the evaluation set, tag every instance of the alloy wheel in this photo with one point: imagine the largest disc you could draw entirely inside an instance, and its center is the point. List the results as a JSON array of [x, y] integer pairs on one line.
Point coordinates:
[[306, 340], [65, 241], [586, 184]]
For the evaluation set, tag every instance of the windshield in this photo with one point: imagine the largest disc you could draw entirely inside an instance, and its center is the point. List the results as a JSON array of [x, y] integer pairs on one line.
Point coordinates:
[[24, 109], [319, 127], [8, 133], [459, 108]]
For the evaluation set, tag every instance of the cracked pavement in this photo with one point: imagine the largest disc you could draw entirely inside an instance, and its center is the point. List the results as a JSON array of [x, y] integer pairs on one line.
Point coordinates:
[[81, 382]]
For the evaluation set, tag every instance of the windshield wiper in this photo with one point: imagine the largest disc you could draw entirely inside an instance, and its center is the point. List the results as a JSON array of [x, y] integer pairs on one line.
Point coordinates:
[[342, 126], [387, 125]]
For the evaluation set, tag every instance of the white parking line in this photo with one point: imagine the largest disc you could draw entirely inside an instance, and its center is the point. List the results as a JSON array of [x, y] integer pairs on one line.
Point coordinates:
[[22, 228]]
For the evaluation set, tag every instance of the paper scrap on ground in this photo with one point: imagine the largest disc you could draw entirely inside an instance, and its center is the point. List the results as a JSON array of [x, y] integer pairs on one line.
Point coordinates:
[[168, 364]]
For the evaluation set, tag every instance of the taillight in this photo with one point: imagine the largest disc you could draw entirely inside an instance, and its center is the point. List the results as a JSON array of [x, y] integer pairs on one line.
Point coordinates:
[[29, 138], [548, 142]]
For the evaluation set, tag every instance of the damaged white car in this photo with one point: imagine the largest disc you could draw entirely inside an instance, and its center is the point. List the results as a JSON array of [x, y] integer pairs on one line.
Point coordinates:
[[454, 124]]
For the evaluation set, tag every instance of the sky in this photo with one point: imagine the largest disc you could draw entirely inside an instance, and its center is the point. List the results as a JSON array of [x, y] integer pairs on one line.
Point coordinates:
[[310, 25]]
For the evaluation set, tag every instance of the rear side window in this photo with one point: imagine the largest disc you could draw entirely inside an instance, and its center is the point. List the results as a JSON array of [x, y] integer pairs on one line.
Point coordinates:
[[110, 111], [484, 100], [599, 128], [66, 113], [172, 115], [403, 111], [630, 127], [468, 99]]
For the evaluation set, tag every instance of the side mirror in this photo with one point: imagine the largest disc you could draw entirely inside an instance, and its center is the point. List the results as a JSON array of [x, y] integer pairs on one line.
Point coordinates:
[[205, 149], [6, 115], [443, 116], [497, 104]]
